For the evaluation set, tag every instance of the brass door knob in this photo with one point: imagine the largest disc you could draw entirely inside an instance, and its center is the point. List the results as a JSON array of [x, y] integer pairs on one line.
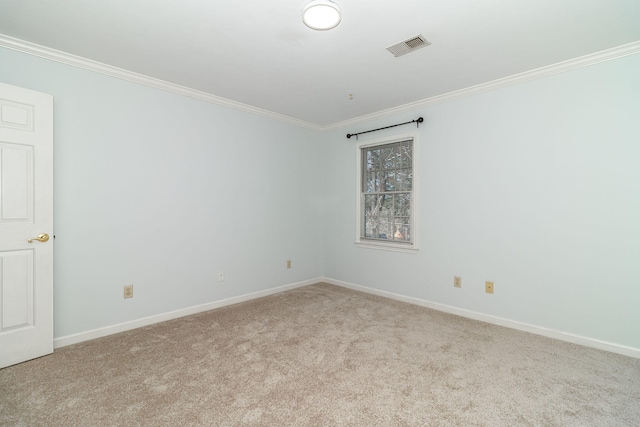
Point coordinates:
[[41, 238]]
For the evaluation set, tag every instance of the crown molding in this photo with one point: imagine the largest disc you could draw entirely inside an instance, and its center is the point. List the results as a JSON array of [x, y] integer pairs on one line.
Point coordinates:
[[119, 73], [560, 67]]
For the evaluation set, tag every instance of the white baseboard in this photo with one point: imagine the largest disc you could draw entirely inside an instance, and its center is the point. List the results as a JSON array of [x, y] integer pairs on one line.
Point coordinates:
[[146, 321], [500, 321]]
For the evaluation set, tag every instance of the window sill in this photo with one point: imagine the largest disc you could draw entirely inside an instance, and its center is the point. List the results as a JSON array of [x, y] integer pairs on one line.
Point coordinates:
[[411, 249]]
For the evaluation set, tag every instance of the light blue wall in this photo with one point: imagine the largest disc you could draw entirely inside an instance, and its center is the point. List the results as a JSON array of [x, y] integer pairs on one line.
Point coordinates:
[[163, 191], [535, 187]]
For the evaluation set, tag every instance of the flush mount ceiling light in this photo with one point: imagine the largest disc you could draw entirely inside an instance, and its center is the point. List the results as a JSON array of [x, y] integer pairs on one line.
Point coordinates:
[[321, 15]]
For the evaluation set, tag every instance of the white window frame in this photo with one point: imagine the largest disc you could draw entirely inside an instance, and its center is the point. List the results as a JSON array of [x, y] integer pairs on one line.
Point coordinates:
[[390, 245]]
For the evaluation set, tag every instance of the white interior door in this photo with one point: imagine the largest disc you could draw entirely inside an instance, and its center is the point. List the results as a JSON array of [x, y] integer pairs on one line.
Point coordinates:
[[26, 212]]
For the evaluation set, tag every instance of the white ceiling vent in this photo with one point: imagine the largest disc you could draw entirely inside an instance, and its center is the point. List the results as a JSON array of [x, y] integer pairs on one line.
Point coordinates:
[[409, 45]]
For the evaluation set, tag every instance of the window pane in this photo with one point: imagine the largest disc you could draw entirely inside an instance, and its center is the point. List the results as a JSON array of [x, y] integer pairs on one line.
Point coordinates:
[[407, 155], [370, 227], [390, 181], [398, 157], [402, 205], [378, 227], [386, 155], [373, 159], [372, 204], [372, 182], [402, 178], [387, 204], [402, 232], [386, 228]]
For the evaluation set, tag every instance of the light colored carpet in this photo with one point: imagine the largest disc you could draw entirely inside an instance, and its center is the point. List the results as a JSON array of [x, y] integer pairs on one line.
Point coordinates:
[[323, 356]]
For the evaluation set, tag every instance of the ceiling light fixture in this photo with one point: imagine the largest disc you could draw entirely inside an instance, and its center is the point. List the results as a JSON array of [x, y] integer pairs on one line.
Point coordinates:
[[321, 15]]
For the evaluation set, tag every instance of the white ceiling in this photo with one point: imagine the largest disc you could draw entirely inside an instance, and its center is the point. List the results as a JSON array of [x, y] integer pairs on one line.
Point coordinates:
[[258, 52]]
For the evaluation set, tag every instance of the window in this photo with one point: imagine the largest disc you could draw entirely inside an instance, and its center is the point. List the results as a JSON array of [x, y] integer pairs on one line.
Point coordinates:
[[386, 194]]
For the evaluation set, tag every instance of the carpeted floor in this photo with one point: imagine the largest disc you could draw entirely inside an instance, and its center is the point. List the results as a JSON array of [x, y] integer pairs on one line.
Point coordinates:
[[323, 356]]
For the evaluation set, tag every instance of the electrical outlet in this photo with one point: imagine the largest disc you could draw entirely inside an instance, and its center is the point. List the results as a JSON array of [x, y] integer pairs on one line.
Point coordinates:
[[128, 291], [488, 287], [288, 264], [457, 281], [220, 276]]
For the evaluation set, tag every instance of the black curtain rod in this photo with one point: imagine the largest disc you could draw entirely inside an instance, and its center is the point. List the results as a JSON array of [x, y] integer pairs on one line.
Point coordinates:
[[416, 121]]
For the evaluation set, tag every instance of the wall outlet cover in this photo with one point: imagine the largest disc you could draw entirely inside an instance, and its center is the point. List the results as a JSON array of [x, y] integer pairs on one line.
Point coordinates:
[[488, 287], [128, 291]]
